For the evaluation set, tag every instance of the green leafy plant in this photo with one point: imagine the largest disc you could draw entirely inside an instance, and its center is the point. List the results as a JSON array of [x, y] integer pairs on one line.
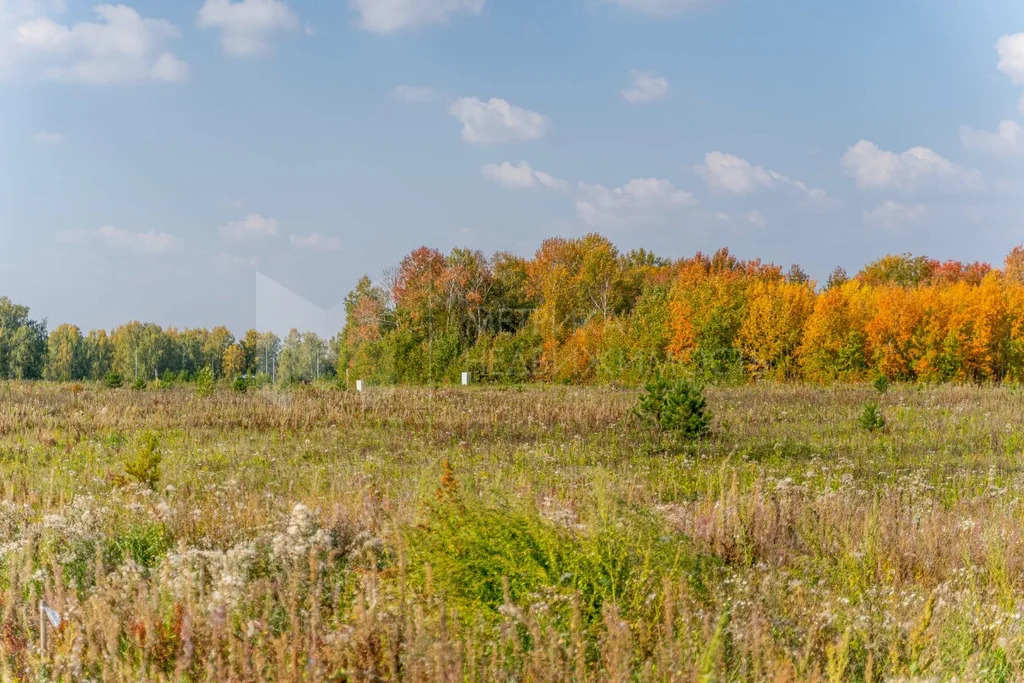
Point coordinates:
[[139, 385], [675, 407], [204, 382], [881, 384], [113, 380], [240, 385], [871, 418], [144, 465]]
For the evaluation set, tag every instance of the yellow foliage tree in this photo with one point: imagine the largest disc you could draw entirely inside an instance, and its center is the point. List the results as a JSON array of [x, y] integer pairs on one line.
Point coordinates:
[[771, 332]]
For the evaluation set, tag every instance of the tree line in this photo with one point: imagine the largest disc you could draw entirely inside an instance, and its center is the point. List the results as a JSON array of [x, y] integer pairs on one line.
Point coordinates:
[[581, 311], [145, 351]]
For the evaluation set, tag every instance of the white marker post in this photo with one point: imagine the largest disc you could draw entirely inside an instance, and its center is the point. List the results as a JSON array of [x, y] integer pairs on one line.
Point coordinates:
[[359, 385], [47, 617], [465, 379], [42, 628]]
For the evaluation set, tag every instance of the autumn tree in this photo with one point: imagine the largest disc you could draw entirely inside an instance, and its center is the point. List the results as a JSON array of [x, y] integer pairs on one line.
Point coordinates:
[[1013, 267], [903, 270], [707, 307], [770, 335], [893, 332], [216, 344], [233, 362], [834, 339]]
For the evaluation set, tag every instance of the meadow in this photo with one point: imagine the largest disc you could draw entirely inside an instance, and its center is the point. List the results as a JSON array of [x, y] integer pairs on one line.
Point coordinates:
[[534, 533]]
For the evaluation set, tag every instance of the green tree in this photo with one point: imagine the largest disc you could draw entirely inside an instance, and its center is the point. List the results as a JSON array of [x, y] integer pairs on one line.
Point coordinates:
[[22, 342], [66, 359], [98, 355], [141, 350]]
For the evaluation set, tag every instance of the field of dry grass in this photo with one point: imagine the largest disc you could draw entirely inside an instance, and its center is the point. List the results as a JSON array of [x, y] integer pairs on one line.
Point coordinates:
[[533, 534]]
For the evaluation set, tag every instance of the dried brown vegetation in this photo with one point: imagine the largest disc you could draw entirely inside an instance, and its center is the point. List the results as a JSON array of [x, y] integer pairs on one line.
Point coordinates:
[[535, 534]]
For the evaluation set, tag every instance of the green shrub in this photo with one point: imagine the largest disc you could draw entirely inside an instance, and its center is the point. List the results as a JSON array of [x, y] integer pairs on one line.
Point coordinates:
[[144, 465], [139, 385], [144, 543], [881, 384], [240, 385], [675, 407], [204, 382], [482, 556], [871, 418], [113, 380]]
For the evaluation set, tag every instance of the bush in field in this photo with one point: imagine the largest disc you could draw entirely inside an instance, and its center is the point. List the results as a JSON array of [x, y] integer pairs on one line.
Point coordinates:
[[871, 418], [881, 384], [240, 385], [675, 407], [113, 380], [139, 385], [144, 465], [492, 560], [204, 382]]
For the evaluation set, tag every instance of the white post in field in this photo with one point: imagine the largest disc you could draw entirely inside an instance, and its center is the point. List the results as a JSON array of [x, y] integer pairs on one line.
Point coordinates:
[[465, 379], [42, 628], [359, 385]]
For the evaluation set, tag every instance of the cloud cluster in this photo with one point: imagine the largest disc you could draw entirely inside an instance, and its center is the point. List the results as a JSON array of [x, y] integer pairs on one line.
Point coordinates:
[[641, 201], [892, 215], [253, 228], [521, 176], [1011, 56], [733, 175], [259, 229], [918, 168], [315, 241], [249, 26], [496, 121], [389, 16], [646, 87], [151, 242], [1007, 139], [121, 47]]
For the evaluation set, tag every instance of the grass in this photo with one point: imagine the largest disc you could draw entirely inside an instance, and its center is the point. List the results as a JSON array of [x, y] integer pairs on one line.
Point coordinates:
[[536, 534]]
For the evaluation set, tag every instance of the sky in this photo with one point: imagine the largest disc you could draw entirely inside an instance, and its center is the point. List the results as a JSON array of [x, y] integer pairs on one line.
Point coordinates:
[[244, 162]]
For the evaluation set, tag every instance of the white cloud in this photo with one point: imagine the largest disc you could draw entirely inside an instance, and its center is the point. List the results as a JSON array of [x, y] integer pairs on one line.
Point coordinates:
[[151, 242], [47, 137], [756, 218], [1011, 56], [315, 241], [414, 94], [892, 215], [249, 26], [1007, 139], [742, 220], [917, 168], [496, 121], [734, 175], [123, 47], [641, 201], [522, 176], [659, 7], [646, 87], [254, 227], [388, 16]]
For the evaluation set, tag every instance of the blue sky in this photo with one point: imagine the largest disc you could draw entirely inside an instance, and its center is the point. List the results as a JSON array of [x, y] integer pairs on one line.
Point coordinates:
[[244, 162]]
